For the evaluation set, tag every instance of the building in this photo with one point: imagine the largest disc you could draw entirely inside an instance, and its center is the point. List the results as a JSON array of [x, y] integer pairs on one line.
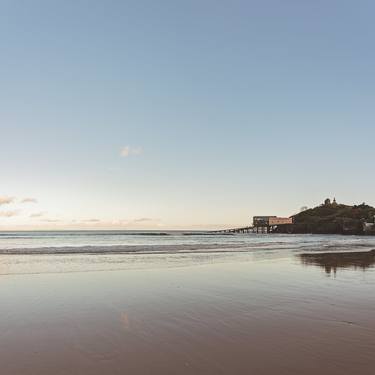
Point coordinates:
[[270, 221], [328, 202], [280, 221], [369, 226], [262, 221]]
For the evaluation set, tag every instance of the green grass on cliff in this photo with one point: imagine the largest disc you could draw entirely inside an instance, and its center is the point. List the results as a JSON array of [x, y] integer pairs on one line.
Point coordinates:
[[333, 218], [332, 212]]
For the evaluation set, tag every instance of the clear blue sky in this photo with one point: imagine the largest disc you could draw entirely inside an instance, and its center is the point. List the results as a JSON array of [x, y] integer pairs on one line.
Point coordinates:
[[194, 114]]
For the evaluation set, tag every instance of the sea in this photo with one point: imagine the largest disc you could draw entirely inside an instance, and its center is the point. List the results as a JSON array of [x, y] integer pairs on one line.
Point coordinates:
[[70, 251]]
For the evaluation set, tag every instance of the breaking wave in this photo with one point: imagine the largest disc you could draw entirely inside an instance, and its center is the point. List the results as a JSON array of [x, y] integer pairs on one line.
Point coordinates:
[[125, 249], [189, 248]]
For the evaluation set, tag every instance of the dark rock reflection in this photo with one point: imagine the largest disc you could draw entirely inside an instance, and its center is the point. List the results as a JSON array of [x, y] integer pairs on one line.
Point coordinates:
[[332, 261]]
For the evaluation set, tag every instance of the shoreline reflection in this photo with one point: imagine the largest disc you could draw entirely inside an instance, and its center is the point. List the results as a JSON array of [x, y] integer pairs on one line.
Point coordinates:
[[346, 260]]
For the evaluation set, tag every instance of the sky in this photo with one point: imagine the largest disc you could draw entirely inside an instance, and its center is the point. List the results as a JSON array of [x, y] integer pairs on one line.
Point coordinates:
[[182, 114]]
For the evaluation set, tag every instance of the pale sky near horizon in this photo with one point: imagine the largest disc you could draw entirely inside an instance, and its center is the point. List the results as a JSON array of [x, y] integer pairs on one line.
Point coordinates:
[[182, 114]]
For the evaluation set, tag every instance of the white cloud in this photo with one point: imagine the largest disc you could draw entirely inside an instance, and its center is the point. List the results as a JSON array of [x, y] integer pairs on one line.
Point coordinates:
[[6, 200], [52, 220], [29, 200], [128, 151], [37, 214], [143, 219], [9, 213]]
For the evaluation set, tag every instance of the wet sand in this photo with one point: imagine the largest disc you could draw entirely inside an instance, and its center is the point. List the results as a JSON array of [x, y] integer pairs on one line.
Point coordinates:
[[270, 314], [331, 262]]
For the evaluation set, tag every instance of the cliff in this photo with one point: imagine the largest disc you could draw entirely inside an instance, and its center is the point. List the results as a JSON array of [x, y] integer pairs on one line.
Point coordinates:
[[332, 218]]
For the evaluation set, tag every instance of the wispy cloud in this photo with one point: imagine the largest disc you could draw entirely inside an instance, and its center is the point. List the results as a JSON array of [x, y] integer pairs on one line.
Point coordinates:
[[9, 213], [29, 200], [6, 200], [144, 219], [137, 222], [128, 151], [37, 214]]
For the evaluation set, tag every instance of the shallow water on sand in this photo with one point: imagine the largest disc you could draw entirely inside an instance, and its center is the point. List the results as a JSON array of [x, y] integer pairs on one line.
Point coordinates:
[[272, 309]]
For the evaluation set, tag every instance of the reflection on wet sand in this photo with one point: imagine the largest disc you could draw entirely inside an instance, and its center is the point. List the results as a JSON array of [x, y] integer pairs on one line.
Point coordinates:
[[125, 321], [263, 317], [332, 261]]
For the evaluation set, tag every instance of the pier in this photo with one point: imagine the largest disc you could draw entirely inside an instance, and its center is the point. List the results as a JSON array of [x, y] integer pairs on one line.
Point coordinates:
[[261, 224], [236, 230]]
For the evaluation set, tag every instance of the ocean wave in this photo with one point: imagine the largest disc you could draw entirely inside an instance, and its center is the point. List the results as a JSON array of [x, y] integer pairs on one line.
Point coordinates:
[[180, 249], [36, 235], [124, 249]]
